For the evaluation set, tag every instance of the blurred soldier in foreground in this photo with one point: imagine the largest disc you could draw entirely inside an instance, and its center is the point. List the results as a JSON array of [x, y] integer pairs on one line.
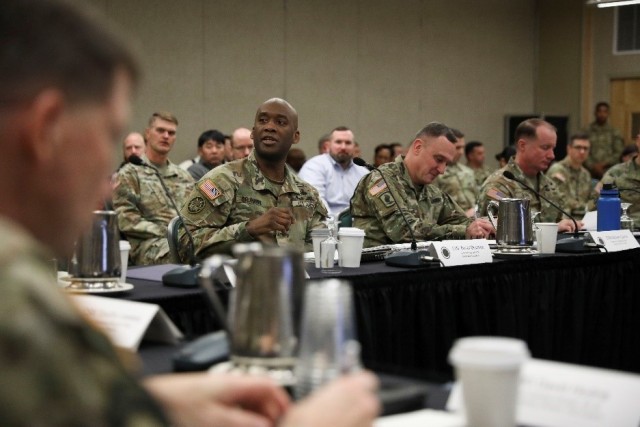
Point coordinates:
[[65, 84]]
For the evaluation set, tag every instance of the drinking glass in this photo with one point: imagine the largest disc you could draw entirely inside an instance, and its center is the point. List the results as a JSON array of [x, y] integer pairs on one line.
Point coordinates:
[[626, 222], [328, 249], [328, 343]]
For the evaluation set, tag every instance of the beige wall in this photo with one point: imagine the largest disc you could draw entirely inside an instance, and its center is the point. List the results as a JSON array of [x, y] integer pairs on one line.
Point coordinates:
[[606, 65], [559, 66], [383, 68]]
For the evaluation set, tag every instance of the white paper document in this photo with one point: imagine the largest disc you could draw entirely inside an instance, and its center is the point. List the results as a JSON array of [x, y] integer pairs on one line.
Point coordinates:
[[554, 394], [422, 418], [128, 322]]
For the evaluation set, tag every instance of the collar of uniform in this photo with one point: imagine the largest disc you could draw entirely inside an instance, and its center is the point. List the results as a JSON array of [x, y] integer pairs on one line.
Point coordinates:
[[517, 172], [259, 181], [166, 171], [404, 172]]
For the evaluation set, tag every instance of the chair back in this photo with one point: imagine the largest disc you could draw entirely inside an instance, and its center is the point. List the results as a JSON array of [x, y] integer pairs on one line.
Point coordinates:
[[172, 238], [345, 219]]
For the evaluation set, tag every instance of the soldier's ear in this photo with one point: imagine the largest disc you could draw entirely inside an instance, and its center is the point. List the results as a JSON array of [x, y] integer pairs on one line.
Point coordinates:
[[296, 137], [43, 134]]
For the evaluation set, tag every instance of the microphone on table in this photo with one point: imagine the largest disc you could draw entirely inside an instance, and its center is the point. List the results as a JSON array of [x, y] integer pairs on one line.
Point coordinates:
[[576, 242], [412, 258], [181, 277]]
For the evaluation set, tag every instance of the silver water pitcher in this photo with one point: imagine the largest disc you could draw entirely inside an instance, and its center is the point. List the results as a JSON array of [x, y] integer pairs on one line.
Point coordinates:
[[265, 305], [513, 224], [97, 254]]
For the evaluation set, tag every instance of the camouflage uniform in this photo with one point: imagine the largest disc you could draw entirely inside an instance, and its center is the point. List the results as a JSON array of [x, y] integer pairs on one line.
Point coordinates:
[[225, 199], [480, 175], [55, 369], [606, 144], [432, 213], [627, 175], [574, 186], [459, 182], [144, 211], [498, 187]]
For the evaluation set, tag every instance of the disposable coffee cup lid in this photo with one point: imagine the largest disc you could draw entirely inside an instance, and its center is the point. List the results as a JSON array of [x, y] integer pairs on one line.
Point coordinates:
[[350, 231], [494, 353], [320, 232], [125, 245]]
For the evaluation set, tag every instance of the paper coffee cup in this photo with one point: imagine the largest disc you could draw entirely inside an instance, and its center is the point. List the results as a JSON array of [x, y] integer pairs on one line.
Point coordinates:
[[488, 369], [352, 240], [318, 235], [546, 237], [125, 247]]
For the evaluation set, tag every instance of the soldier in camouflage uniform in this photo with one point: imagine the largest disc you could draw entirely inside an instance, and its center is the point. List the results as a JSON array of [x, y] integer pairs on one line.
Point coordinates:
[[256, 198], [626, 177], [572, 179], [606, 142], [475, 154], [143, 208], [431, 213], [65, 84], [535, 141], [458, 181]]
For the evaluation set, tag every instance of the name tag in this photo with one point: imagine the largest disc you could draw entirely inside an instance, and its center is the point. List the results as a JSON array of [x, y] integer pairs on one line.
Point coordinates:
[[128, 322], [461, 252], [615, 240]]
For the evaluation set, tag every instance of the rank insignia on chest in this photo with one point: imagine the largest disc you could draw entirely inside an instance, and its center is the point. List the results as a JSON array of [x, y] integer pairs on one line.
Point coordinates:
[[210, 190], [378, 187]]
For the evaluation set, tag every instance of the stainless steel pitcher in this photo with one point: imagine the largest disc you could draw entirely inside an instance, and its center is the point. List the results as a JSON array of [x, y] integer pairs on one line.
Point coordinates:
[[265, 306], [513, 228], [97, 254]]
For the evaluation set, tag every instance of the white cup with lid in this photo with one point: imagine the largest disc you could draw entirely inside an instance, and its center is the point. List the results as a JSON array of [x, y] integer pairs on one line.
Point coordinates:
[[488, 369], [352, 241]]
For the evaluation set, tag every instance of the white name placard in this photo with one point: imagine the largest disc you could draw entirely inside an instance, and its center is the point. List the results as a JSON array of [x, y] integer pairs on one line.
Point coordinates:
[[461, 252], [554, 394], [616, 240], [127, 322]]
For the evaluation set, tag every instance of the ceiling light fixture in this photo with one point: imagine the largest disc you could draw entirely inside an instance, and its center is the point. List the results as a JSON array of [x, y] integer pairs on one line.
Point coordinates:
[[611, 3]]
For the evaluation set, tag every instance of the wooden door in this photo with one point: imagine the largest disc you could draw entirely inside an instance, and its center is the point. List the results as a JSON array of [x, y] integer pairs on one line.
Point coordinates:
[[625, 107]]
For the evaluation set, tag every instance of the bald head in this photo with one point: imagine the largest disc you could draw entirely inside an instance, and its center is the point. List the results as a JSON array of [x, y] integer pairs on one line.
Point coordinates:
[[241, 143], [133, 144], [293, 113]]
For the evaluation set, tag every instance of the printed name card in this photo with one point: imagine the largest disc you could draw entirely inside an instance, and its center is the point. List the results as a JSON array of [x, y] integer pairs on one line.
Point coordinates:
[[554, 394], [616, 240], [461, 252], [128, 322]]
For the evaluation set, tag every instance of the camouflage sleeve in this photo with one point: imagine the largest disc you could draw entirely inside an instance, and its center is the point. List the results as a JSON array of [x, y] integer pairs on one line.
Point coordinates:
[[616, 149], [494, 188], [206, 215], [126, 202], [444, 219]]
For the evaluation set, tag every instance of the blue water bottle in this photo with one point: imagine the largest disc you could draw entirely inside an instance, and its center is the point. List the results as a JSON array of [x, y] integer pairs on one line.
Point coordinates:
[[609, 208]]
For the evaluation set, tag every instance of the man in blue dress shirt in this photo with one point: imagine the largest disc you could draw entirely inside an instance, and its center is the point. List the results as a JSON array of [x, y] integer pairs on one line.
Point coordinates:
[[334, 174]]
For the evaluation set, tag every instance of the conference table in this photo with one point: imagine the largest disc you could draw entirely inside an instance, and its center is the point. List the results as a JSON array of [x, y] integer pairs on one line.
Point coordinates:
[[575, 308]]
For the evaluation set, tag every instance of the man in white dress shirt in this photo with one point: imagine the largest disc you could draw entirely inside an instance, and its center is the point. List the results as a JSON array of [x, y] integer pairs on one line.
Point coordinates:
[[334, 174]]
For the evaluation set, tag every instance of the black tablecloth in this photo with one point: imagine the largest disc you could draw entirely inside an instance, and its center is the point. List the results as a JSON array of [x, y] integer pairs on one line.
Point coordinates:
[[582, 309]]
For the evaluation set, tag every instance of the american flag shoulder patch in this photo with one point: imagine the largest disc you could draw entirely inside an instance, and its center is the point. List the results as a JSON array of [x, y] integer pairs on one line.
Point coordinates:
[[209, 189], [378, 187], [495, 194]]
